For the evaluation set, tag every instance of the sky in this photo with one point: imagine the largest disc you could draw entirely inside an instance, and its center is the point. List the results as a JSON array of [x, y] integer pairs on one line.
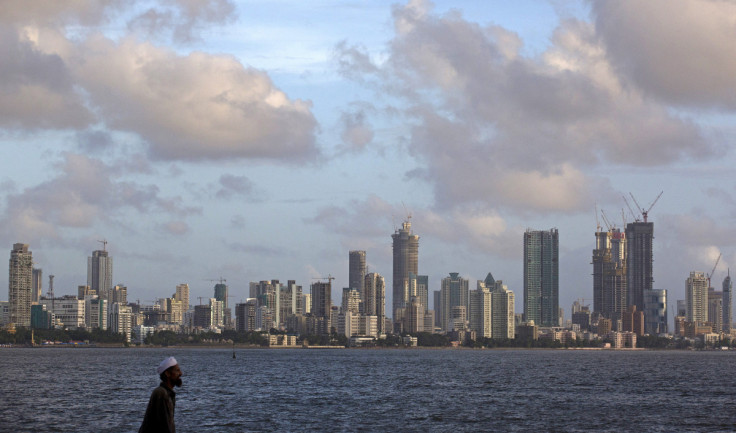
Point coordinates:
[[258, 140]]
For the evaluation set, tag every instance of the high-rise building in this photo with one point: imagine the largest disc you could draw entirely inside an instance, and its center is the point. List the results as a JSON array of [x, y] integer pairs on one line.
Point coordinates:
[[99, 274], [120, 319], [715, 309], [541, 277], [268, 294], [480, 310], [221, 294], [182, 295], [356, 275], [245, 315], [119, 294], [727, 303], [502, 312], [696, 297], [655, 312], [350, 301], [419, 287], [321, 298], [291, 300], [37, 283], [639, 261], [454, 292], [374, 303], [609, 274], [20, 285], [406, 262]]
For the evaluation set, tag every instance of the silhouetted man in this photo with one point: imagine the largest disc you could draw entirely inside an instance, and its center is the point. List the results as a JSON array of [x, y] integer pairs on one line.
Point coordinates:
[[160, 411]]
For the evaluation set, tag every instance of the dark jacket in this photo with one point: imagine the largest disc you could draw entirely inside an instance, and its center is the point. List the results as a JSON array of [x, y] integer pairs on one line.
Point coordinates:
[[160, 411]]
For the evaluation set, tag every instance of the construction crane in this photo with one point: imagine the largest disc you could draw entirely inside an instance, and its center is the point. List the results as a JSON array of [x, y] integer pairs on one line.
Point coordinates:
[[633, 215], [713, 270], [597, 221], [329, 278], [104, 244], [609, 225], [645, 212]]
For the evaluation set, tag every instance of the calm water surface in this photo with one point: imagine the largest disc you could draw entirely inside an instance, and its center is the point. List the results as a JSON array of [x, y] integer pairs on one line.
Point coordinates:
[[106, 390]]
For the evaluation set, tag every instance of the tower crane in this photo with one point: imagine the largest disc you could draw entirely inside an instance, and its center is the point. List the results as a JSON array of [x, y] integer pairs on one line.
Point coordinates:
[[636, 219], [597, 221], [645, 212], [221, 280], [713, 270], [104, 244], [609, 225]]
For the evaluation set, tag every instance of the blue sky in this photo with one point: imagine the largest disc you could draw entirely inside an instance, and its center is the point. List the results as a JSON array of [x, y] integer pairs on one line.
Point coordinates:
[[265, 139]]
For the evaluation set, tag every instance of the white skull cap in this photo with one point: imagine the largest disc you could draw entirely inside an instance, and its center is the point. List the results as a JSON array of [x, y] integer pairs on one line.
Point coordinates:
[[166, 364]]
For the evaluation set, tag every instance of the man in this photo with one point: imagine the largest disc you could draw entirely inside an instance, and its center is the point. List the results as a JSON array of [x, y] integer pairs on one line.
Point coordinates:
[[160, 411]]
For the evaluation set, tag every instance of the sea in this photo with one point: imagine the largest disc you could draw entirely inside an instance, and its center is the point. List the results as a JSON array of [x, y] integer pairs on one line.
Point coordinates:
[[372, 390]]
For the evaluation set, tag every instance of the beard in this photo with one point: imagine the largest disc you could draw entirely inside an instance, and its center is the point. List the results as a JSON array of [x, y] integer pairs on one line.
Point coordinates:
[[177, 383]]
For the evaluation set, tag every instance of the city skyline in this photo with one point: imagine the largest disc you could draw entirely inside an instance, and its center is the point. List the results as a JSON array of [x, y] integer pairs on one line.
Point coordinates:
[[250, 142]]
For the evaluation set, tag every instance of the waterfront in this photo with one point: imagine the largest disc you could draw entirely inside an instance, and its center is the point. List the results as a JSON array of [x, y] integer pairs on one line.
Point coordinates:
[[106, 390]]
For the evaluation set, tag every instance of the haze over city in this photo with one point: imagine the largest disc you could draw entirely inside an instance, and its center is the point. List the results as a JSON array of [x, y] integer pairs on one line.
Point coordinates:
[[264, 140]]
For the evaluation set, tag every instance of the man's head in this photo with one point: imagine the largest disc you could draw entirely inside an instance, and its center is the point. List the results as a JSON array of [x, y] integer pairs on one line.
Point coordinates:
[[169, 372]]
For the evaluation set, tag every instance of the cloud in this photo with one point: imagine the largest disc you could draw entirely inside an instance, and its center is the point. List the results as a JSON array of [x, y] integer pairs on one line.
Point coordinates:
[[58, 13], [356, 133], [36, 88], [182, 19], [177, 228], [231, 185], [683, 55], [494, 128], [173, 103], [83, 193]]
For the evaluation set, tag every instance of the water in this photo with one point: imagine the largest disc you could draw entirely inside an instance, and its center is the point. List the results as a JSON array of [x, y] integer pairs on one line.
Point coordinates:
[[106, 390]]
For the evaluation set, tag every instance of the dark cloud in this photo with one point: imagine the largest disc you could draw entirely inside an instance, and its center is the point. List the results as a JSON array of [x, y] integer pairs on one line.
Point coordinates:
[[493, 127], [231, 185], [684, 55], [85, 192]]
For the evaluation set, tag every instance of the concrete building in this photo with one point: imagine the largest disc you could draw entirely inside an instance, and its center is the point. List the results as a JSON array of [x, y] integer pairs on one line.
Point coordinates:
[[182, 295], [120, 320], [480, 310], [633, 321], [696, 297], [351, 301], [639, 261], [99, 274], [374, 301], [453, 293], [245, 315], [268, 294], [203, 316], [414, 316], [655, 312], [406, 261], [20, 285], [41, 318], [119, 294], [321, 298], [715, 309], [96, 312], [306, 303], [419, 287], [221, 294], [727, 303], [502, 314], [541, 277], [291, 300], [356, 271], [609, 274], [36, 286]]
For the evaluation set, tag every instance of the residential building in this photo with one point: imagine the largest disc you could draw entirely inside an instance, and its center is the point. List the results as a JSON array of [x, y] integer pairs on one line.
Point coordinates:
[[374, 301], [502, 312], [182, 295], [480, 310], [99, 274], [406, 261], [696, 297], [541, 277], [120, 319], [655, 311], [268, 294], [727, 303], [351, 300], [36, 290], [639, 261], [245, 315], [357, 270], [321, 298], [20, 285], [453, 293]]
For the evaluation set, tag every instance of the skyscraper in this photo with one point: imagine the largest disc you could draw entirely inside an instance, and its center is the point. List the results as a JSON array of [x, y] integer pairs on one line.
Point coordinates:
[[99, 273], [639, 261], [406, 262], [357, 271], [609, 274], [20, 282], [454, 292], [182, 295], [502, 314], [727, 303], [696, 297], [37, 283], [541, 277], [374, 303], [321, 298]]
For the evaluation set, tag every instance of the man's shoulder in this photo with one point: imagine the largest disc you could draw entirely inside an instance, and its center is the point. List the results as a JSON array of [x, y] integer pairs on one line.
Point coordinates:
[[160, 392]]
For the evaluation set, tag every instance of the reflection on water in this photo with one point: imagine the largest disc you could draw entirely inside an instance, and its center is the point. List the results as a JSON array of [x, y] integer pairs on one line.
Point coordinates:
[[106, 390]]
